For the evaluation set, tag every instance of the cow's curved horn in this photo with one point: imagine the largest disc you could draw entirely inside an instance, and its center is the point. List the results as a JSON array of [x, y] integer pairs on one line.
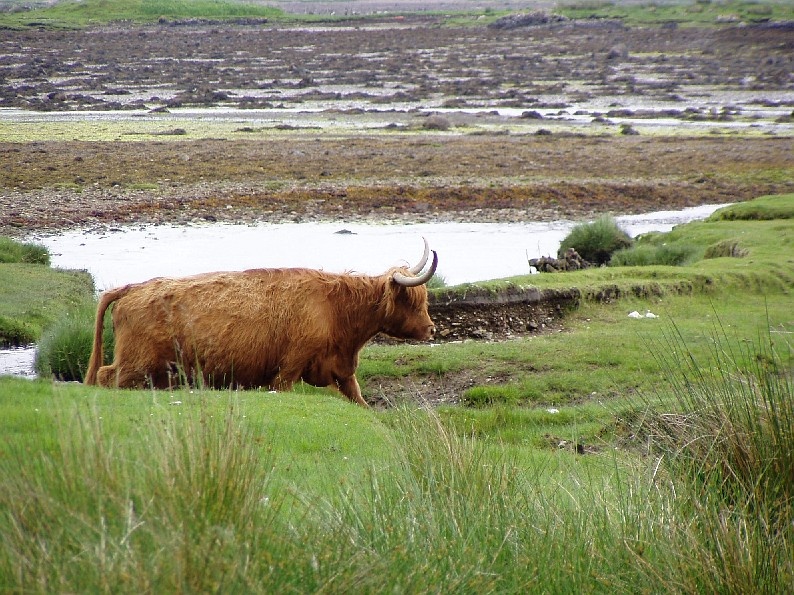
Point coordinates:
[[417, 268], [407, 281]]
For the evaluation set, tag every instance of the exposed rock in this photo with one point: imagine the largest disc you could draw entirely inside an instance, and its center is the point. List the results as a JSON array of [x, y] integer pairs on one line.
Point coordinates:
[[532, 19], [571, 261]]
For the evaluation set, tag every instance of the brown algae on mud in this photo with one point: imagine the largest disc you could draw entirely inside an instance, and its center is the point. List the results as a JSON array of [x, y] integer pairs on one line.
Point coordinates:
[[410, 178]]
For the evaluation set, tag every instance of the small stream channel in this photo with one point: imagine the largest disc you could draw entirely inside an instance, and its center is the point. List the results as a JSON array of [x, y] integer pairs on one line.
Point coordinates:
[[468, 252]]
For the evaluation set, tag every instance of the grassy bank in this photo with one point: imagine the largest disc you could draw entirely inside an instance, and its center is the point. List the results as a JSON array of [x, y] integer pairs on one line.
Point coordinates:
[[746, 247], [33, 295], [696, 12], [73, 14]]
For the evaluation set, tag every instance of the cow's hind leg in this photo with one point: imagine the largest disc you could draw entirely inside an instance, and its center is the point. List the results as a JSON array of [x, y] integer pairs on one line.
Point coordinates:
[[284, 381], [106, 376], [115, 376]]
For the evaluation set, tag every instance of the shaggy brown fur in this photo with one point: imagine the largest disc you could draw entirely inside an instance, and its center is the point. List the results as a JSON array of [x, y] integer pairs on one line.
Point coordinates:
[[261, 327]]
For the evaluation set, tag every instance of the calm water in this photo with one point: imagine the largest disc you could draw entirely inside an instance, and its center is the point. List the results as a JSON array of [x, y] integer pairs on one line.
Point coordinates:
[[467, 252], [18, 361]]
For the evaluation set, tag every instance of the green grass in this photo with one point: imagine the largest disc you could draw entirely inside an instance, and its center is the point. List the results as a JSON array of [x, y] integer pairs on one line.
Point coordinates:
[[83, 13], [25, 252], [584, 372], [647, 255], [765, 208], [64, 344], [32, 295], [692, 12], [760, 261], [706, 241], [259, 492], [596, 241]]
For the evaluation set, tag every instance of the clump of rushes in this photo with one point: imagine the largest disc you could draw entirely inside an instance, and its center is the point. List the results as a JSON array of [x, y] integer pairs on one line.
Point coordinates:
[[648, 254], [596, 241], [727, 442], [65, 347], [437, 282], [182, 506], [447, 512], [15, 333]]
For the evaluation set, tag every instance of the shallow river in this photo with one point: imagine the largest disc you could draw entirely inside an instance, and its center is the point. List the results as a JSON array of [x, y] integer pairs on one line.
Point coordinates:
[[467, 252]]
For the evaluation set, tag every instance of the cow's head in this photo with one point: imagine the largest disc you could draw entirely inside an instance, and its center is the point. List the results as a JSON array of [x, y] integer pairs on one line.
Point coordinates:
[[405, 300]]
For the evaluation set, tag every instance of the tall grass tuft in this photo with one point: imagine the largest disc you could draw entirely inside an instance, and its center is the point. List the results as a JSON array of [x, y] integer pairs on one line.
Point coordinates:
[[450, 513], [442, 515], [647, 255], [437, 281], [15, 333], [65, 347], [596, 241], [728, 445], [173, 509]]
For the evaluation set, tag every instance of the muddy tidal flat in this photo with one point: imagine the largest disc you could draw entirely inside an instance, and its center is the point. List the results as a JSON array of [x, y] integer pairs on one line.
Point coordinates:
[[405, 120]]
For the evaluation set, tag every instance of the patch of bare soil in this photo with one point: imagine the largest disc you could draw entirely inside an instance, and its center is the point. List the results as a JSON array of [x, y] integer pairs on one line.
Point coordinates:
[[383, 392], [477, 316]]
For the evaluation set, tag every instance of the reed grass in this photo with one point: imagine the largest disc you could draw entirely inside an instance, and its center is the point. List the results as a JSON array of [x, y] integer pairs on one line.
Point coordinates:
[[65, 346], [596, 241], [648, 255], [242, 492], [726, 439], [169, 509]]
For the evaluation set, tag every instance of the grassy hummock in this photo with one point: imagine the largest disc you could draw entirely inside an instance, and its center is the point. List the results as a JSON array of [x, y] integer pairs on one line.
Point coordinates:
[[727, 253]]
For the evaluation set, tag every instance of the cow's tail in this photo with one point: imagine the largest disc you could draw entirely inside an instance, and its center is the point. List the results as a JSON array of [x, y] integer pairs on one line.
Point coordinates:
[[97, 357]]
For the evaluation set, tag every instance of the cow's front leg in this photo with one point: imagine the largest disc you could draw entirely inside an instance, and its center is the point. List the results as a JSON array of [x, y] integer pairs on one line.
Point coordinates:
[[349, 387]]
